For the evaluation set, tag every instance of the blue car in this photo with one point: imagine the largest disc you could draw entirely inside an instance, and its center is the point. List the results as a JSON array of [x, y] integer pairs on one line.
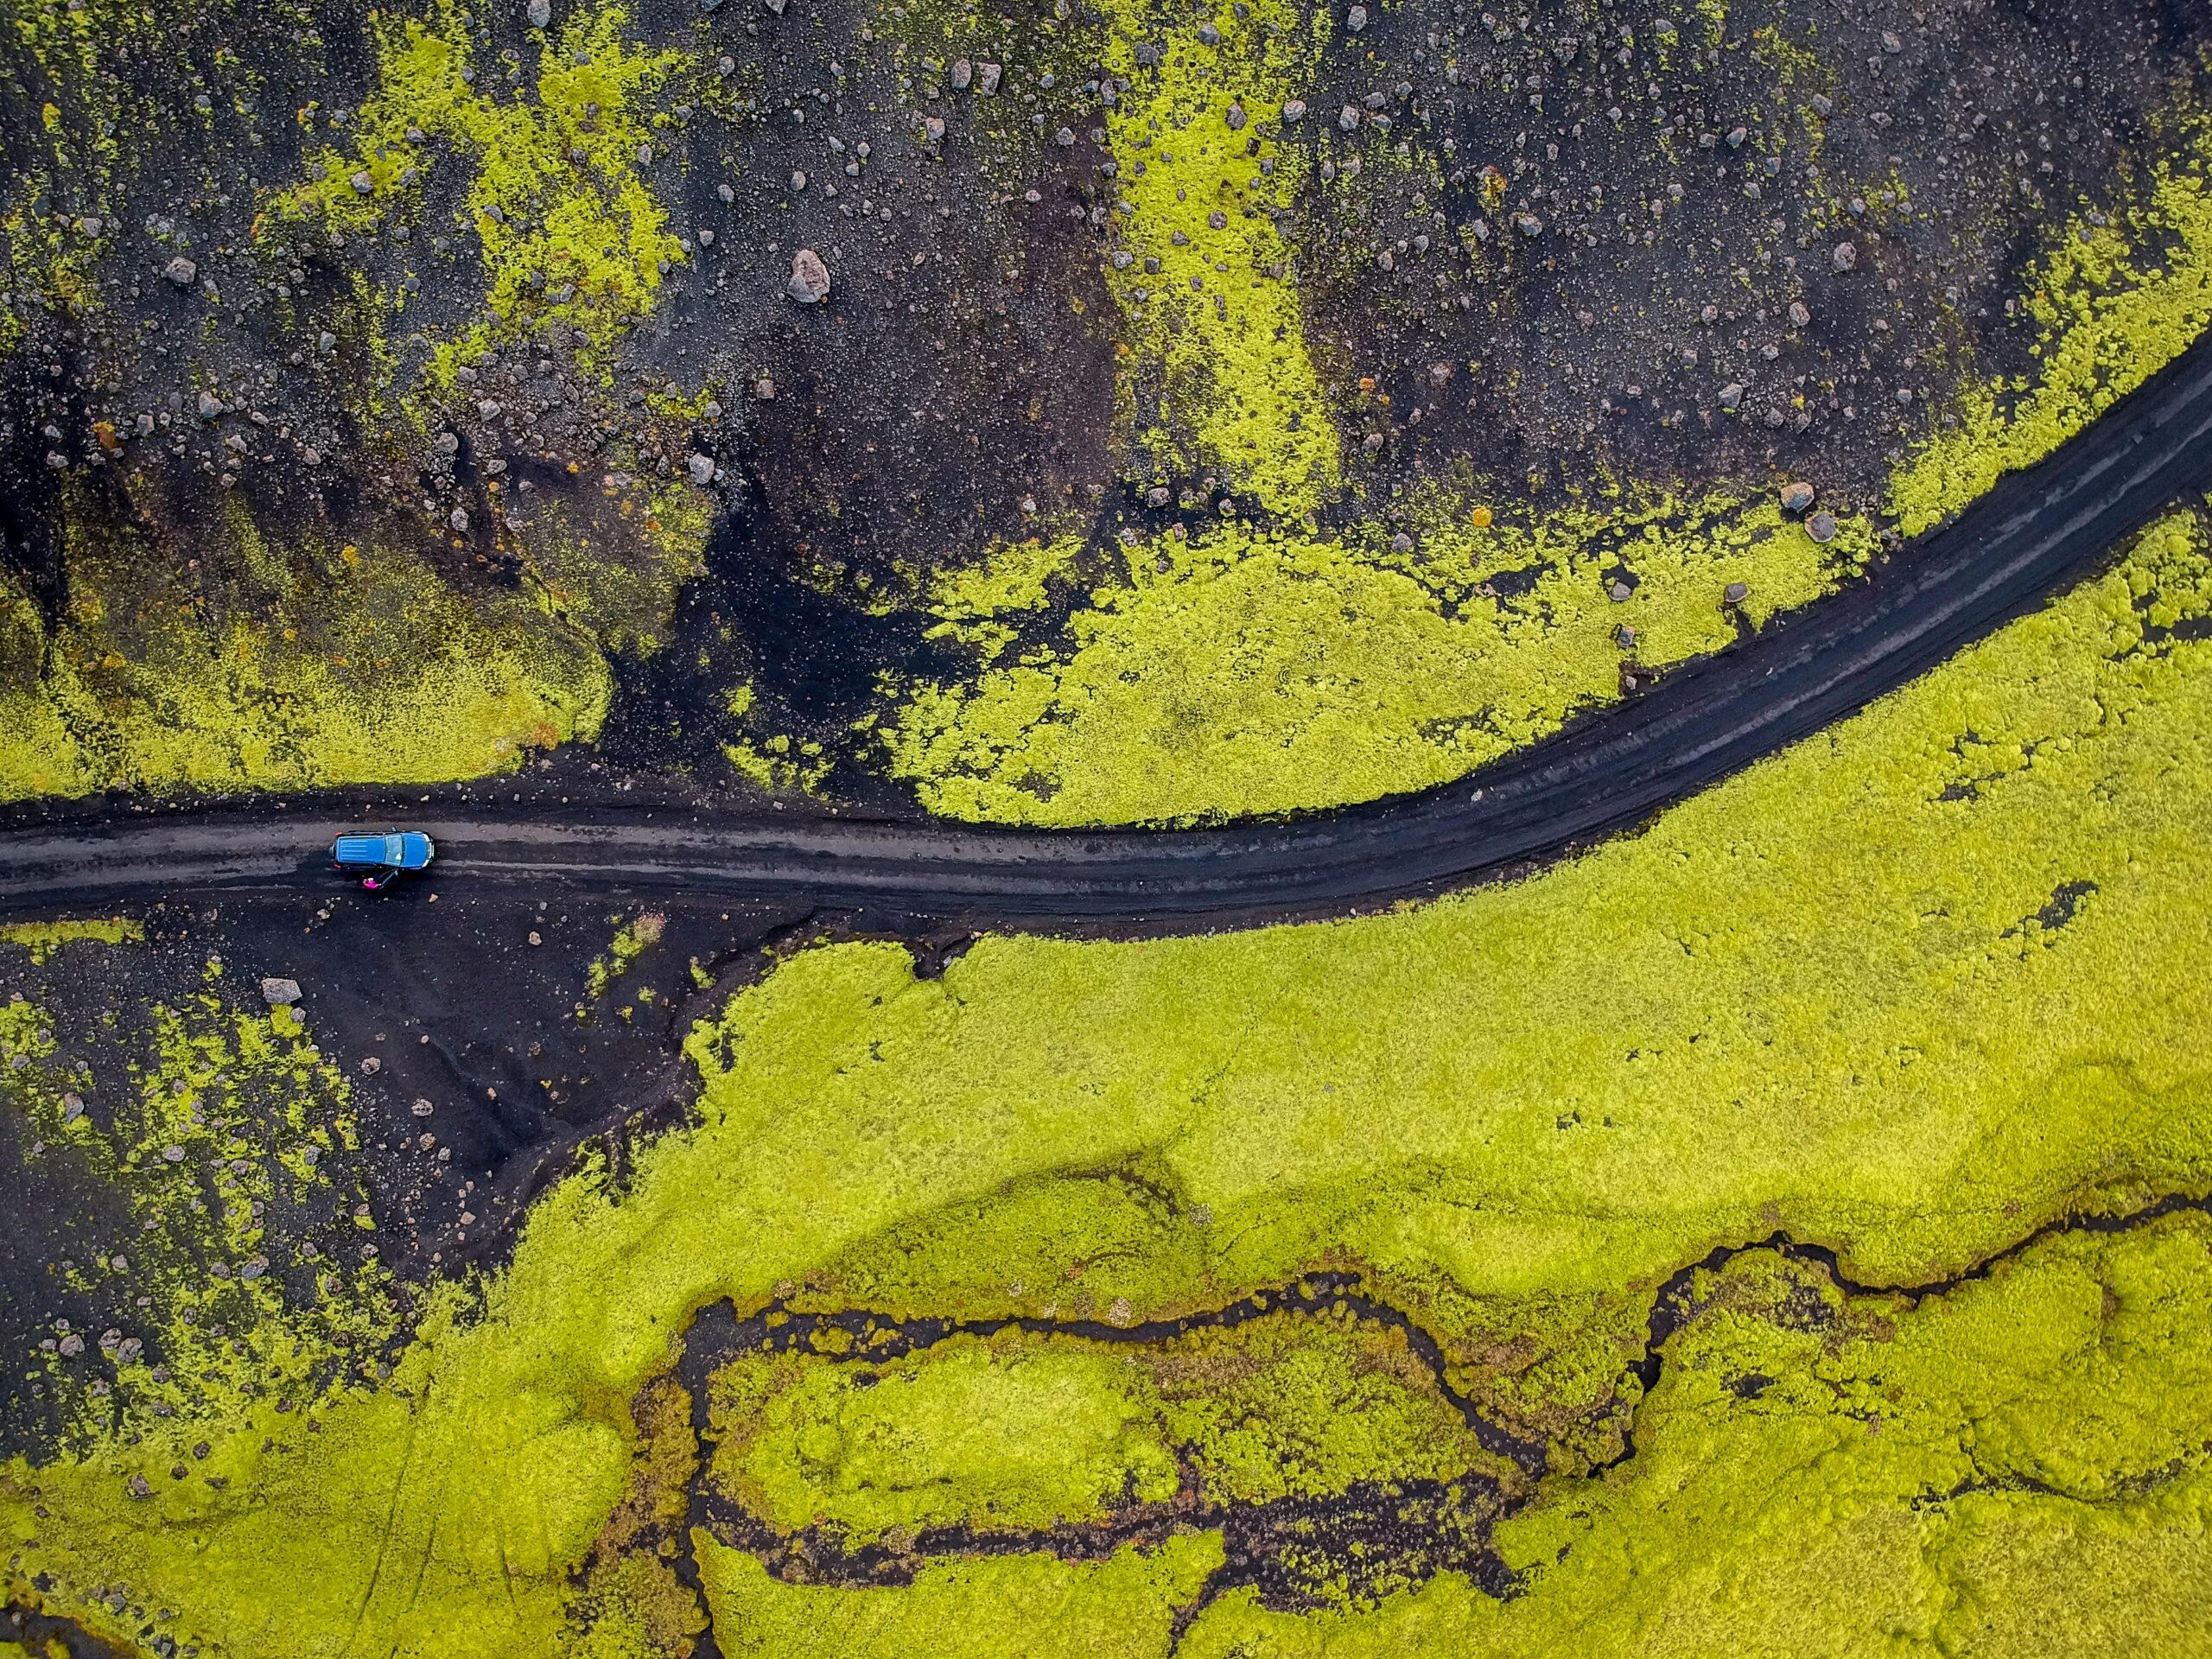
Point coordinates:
[[376, 859]]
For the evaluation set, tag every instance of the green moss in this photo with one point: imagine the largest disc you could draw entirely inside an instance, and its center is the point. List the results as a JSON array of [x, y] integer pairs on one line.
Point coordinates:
[[1004, 1435], [1250, 671], [1834, 997], [1031, 1606], [1217, 377], [43, 939], [2017, 1467], [566, 225], [351, 668], [2113, 301], [225, 1115], [631, 939]]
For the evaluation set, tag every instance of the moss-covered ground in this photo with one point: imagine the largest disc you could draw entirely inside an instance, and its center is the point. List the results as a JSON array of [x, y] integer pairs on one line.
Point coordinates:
[[1918, 993]]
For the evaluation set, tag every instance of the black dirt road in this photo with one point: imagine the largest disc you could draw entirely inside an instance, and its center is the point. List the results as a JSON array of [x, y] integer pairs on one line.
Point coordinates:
[[2030, 536]]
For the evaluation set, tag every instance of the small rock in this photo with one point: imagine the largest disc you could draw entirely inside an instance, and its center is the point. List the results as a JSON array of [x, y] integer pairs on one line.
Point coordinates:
[[1356, 19], [422, 1108], [1822, 527], [1624, 636], [986, 78], [1529, 225], [1845, 255], [1890, 43], [810, 282], [458, 518], [765, 390], [1217, 220], [254, 1268], [1796, 496], [799, 180], [1620, 592], [1736, 137], [1063, 137], [172, 1153], [371, 1066], [706, 238], [1732, 395], [1158, 496], [180, 270], [127, 1350], [1348, 118], [280, 993], [325, 342], [1823, 105], [1401, 543], [1235, 117], [209, 406], [1735, 591], [1209, 35], [534, 937], [540, 13], [73, 1106], [362, 183], [963, 74], [1294, 111], [137, 1487], [72, 1345], [1799, 315], [702, 469], [487, 409]]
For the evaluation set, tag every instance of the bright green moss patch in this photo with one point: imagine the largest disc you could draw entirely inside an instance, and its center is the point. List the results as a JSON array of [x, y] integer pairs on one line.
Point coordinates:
[[997, 1435], [1837, 997], [567, 226], [1218, 378], [357, 667], [1253, 672], [2017, 1467], [1029, 1606], [43, 939]]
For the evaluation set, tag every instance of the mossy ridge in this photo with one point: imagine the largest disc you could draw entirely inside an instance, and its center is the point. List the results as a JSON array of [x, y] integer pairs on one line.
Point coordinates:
[[1567, 1087], [1033, 1605], [1021, 1431], [2015, 1467]]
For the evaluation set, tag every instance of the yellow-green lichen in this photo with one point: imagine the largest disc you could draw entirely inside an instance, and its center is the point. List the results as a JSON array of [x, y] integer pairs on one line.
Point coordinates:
[[1216, 374], [1248, 671], [1031, 1606], [43, 939], [631, 940], [567, 226], [2114, 300], [328, 666]]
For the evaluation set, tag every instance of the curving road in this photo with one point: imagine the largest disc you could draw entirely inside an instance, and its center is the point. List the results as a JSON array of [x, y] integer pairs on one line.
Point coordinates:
[[2032, 534]]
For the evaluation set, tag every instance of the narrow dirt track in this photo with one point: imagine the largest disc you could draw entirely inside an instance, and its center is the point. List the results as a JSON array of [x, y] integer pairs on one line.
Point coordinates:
[[2032, 535]]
